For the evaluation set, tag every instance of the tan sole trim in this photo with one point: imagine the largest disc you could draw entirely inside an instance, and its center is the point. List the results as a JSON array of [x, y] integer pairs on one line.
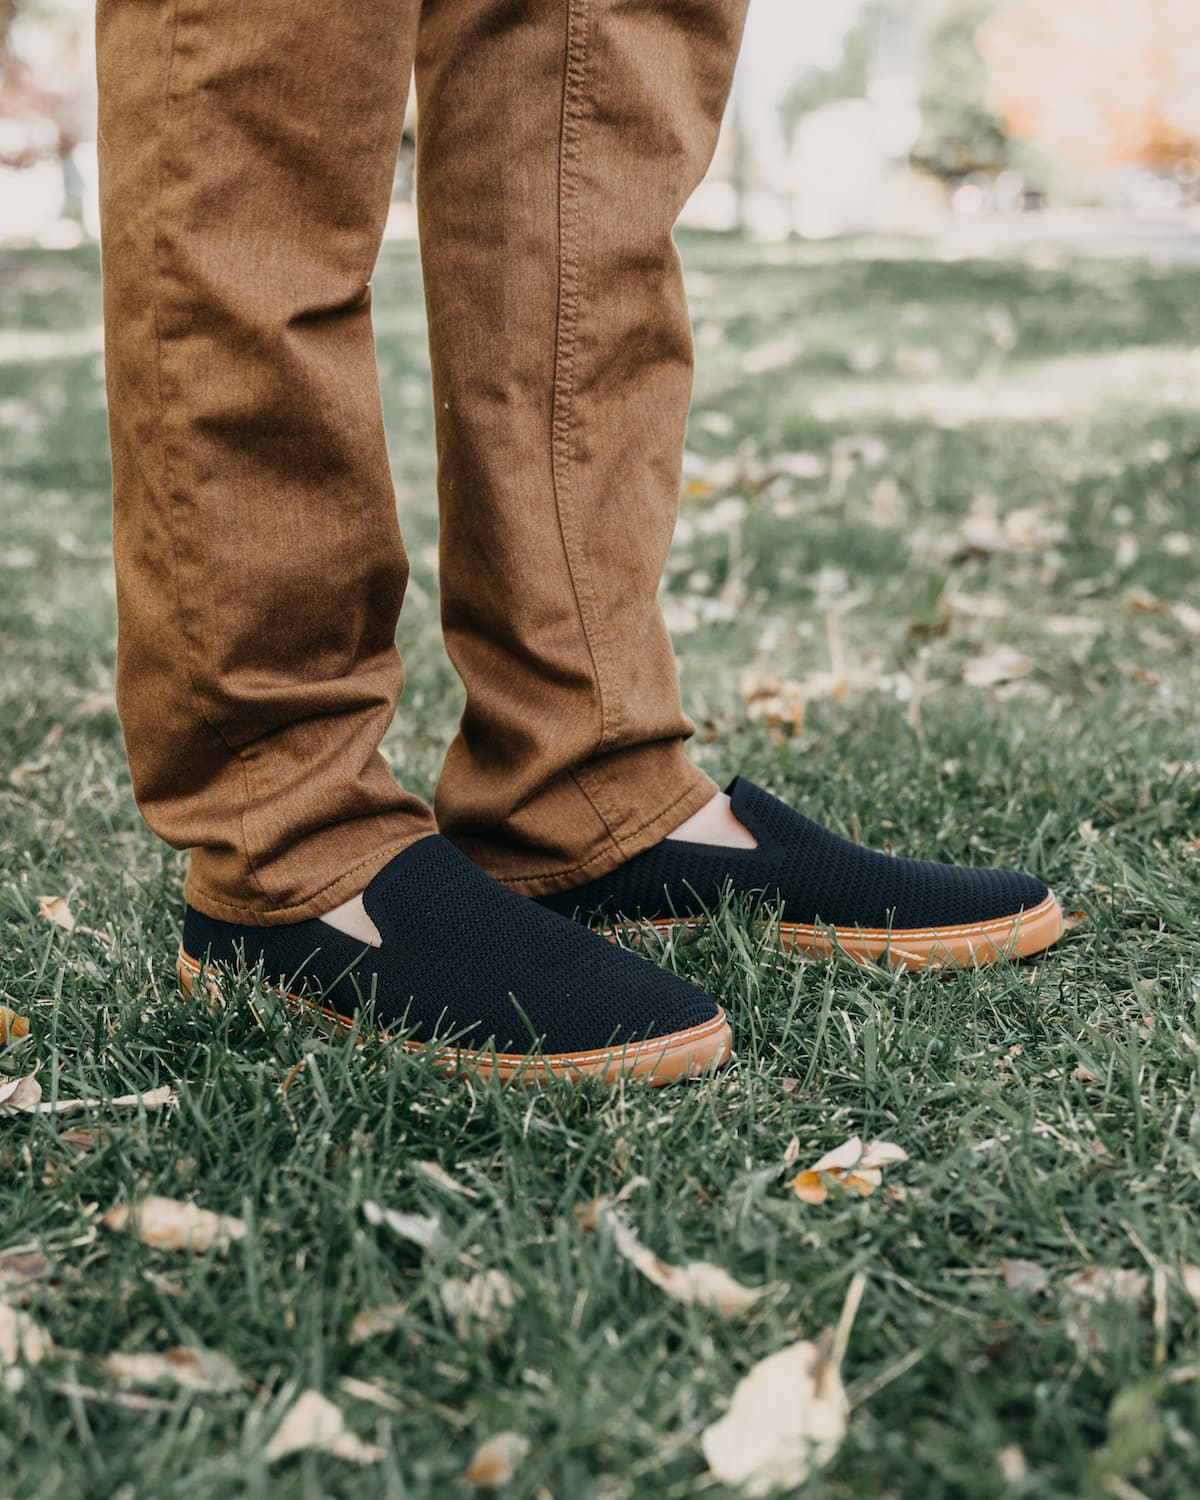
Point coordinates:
[[663, 1059], [971, 946]]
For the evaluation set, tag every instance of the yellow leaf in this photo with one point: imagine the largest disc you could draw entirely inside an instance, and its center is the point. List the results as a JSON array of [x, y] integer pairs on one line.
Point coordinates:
[[12, 1025], [314, 1422], [810, 1187], [169, 1224], [496, 1461]]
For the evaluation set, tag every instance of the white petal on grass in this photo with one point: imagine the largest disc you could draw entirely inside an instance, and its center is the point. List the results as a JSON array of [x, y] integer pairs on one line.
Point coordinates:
[[788, 1414], [191, 1369], [312, 1421], [438, 1174], [483, 1302], [496, 1461], [696, 1284], [21, 1338], [168, 1224], [419, 1229]]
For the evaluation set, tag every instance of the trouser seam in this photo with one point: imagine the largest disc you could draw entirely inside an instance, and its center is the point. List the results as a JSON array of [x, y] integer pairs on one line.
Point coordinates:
[[169, 472], [563, 404]]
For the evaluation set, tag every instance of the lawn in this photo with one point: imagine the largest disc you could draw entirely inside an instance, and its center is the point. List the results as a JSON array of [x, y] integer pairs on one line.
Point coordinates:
[[952, 507]]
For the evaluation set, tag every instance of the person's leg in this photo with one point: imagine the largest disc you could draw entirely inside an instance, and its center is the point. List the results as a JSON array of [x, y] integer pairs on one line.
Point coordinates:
[[247, 154], [246, 158], [562, 376], [562, 363]]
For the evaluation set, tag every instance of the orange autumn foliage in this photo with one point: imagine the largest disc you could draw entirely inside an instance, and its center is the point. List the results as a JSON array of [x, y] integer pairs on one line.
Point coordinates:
[[1100, 83]]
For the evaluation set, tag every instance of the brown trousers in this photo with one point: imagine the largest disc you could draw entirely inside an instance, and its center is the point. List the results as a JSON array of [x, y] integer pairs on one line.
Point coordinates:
[[247, 153]]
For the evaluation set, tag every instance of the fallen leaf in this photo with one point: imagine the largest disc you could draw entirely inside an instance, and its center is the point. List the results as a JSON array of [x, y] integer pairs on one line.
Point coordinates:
[[852, 1166], [191, 1369], [12, 1026], [20, 1094], [1142, 601], [1108, 1283], [438, 1174], [20, 1267], [1004, 664], [364, 1390], [1190, 1276], [695, 1284], [56, 910], [419, 1229], [314, 1422], [787, 1418], [373, 1321], [496, 1461], [21, 1338], [1024, 1275], [169, 1224], [25, 1095], [1011, 1463], [483, 1302]]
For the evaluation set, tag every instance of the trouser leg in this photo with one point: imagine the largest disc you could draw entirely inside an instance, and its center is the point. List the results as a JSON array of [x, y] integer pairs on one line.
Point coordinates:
[[558, 140], [247, 154]]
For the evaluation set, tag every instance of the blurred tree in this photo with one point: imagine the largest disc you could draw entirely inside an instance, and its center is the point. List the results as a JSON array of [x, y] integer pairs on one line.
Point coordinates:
[[50, 112], [1100, 82], [848, 78], [960, 133]]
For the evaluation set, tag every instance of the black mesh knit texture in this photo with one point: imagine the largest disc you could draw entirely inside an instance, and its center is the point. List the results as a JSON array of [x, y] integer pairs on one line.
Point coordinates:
[[456, 947], [804, 871]]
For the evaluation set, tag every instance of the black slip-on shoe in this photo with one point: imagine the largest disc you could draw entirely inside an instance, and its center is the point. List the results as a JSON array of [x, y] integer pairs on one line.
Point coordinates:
[[515, 990], [824, 894]]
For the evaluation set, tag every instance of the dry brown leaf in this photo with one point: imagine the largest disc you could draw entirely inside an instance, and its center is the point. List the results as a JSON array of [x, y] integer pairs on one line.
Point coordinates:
[[696, 1284], [482, 1303], [168, 1224], [1003, 664], [776, 700], [12, 1026], [314, 1422], [787, 1418], [373, 1321], [419, 1229], [496, 1461], [191, 1369], [852, 1166], [21, 1338]]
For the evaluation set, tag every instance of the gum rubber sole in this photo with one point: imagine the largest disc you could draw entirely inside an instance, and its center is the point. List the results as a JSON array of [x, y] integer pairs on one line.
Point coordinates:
[[970, 946], [658, 1061]]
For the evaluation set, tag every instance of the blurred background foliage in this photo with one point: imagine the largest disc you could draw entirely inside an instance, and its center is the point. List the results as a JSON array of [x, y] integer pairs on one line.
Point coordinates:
[[862, 115]]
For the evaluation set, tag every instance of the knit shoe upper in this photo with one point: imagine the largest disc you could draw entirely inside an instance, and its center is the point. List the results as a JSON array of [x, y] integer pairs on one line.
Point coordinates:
[[463, 958], [810, 877]]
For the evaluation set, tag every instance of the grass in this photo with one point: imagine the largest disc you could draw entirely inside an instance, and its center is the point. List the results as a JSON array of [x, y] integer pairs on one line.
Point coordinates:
[[856, 406]]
